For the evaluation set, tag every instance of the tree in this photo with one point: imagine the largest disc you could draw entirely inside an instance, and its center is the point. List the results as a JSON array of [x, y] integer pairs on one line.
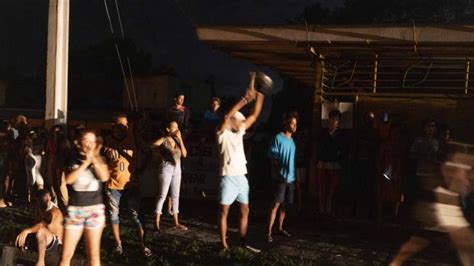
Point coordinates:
[[390, 11]]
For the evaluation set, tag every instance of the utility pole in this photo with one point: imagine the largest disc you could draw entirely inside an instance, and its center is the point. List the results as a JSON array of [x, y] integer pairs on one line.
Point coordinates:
[[57, 63]]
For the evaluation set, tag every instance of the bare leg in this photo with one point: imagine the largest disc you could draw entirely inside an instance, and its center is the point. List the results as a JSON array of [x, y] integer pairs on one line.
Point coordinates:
[[92, 239], [170, 205], [462, 239], [272, 217], [43, 237], [157, 221], [414, 245], [281, 219], [177, 225], [116, 233], [7, 189], [71, 238], [224, 211], [243, 225], [3, 192], [3, 204]]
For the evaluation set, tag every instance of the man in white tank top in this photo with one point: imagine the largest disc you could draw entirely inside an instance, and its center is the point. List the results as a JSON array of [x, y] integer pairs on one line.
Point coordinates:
[[233, 164]]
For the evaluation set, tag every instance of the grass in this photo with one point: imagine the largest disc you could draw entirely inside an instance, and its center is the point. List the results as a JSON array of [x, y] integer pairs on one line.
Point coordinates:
[[168, 250]]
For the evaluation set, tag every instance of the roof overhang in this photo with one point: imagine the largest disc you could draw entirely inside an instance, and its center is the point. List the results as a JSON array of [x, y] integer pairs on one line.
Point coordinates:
[[358, 59]]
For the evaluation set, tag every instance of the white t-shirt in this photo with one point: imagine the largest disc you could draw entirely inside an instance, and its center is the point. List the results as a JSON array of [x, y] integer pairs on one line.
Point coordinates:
[[231, 152]]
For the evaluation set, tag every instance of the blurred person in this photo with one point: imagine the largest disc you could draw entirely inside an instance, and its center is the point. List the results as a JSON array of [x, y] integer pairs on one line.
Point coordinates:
[[33, 149], [424, 153], [47, 232], [16, 174], [390, 167], [58, 148], [86, 211], [333, 148], [180, 114], [234, 184], [282, 154], [438, 210], [364, 165], [4, 178], [444, 139], [212, 115], [172, 149], [210, 120], [123, 188]]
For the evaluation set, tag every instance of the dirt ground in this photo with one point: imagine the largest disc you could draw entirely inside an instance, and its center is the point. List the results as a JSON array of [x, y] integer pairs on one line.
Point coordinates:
[[314, 240]]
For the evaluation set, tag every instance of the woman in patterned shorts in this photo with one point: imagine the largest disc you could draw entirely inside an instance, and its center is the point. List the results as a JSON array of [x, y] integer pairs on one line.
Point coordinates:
[[85, 213]]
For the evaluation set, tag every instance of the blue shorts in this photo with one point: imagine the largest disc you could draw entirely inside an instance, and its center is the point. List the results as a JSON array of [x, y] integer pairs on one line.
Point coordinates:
[[234, 188]]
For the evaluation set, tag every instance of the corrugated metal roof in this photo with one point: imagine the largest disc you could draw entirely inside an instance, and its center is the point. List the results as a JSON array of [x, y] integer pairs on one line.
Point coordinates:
[[423, 60]]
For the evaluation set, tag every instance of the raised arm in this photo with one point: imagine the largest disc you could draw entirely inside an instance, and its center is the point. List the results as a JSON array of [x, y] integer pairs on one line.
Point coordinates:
[[101, 169], [252, 118], [74, 174], [158, 142], [250, 95]]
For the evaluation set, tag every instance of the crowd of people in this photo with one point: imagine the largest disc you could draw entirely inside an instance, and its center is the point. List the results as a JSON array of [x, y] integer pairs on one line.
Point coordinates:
[[80, 177]]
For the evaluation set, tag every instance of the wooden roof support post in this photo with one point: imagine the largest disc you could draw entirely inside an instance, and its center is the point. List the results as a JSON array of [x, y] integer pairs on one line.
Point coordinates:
[[316, 122], [57, 63], [376, 69], [466, 80]]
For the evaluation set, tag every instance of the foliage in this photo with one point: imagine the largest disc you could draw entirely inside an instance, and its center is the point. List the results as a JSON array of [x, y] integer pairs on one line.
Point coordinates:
[[390, 11]]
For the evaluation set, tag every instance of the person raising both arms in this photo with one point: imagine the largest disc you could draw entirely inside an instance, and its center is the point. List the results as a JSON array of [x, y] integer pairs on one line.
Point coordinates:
[[234, 185]]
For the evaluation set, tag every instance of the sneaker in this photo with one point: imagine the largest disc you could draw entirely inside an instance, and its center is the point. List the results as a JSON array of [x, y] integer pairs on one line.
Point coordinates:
[[118, 250], [269, 239], [252, 249], [147, 252], [285, 233]]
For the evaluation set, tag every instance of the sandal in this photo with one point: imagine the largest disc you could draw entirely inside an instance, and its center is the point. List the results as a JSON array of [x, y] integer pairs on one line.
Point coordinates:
[[269, 239], [118, 250], [284, 233], [147, 252], [181, 227]]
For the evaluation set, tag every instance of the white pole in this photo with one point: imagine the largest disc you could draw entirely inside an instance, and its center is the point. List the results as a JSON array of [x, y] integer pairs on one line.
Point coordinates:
[[57, 63]]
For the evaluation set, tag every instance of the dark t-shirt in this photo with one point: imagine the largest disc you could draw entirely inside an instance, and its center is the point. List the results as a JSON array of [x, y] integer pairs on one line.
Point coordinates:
[[333, 147], [87, 190], [180, 116]]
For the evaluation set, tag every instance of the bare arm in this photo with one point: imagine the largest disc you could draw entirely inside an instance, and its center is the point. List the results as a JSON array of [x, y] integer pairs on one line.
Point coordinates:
[[73, 175], [101, 169], [256, 111], [249, 96], [158, 142], [225, 122], [21, 238]]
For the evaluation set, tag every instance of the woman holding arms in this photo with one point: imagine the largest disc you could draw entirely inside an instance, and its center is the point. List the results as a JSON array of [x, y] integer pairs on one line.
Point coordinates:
[[172, 148], [85, 213]]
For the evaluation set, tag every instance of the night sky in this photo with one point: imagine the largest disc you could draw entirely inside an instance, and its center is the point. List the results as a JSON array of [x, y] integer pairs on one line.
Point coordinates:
[[164, 28]]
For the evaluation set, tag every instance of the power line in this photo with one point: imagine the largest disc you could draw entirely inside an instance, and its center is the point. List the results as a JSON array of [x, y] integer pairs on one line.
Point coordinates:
[[132, 82], [119, 56]]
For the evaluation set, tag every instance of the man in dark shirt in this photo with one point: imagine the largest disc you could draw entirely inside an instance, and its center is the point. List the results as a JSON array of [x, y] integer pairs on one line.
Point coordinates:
[[179, 113]]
